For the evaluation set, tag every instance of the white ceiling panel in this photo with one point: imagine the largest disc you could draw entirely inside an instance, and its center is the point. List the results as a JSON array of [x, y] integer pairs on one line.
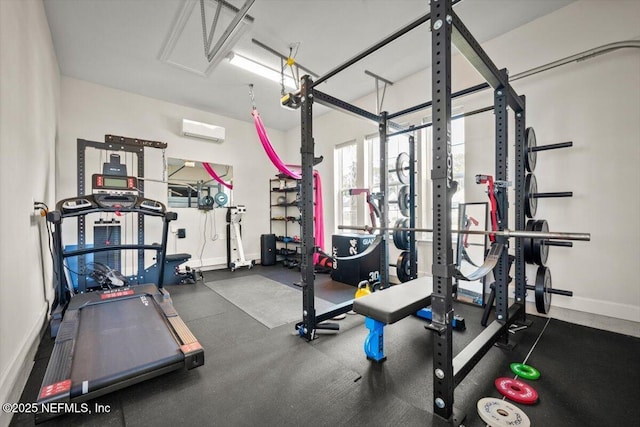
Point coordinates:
[[142, 46]]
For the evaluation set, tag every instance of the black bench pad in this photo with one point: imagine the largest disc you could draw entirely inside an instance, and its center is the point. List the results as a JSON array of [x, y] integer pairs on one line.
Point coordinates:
[[177, 257], [396, 302]]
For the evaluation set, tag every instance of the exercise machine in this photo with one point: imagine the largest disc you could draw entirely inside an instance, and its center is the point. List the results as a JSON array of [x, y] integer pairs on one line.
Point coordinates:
[[235, 253], [447, 30], [111, 338]]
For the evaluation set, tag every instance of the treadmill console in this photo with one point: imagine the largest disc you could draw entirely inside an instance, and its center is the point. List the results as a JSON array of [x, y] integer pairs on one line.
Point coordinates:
[[83, 205], [114, 184], [111, 201]]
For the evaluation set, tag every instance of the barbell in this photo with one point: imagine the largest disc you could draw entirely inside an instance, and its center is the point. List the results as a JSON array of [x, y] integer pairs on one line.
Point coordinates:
[[503, 233], [536, 251], [401, 234]]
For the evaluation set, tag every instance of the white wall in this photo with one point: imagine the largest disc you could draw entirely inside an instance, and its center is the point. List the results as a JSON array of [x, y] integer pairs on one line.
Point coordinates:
[[594, 103], [90, 111], [29, 93]]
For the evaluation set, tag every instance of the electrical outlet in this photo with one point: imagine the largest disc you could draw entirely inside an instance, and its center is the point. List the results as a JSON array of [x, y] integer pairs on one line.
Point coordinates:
[[35, 212]]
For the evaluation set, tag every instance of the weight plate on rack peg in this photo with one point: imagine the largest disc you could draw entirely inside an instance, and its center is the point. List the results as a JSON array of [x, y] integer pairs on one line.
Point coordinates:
[[542, 288], [540, 249], [402, 167], [498, 413], [221, 198], [403, 200], [401, 236], [527, 243], [530, 202], [403, 269], [530, 157]]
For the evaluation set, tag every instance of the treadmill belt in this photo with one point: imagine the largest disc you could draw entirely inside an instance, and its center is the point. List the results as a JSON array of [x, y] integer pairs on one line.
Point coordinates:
[[118, 340]]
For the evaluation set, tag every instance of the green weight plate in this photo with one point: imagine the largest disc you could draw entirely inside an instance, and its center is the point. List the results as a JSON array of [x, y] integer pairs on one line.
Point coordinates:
[[402, 167], [530, 157], [525, 371], [530, 202]]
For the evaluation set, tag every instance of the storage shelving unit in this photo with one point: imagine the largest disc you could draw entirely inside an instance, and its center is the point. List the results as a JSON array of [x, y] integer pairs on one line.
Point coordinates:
[[284, 213]]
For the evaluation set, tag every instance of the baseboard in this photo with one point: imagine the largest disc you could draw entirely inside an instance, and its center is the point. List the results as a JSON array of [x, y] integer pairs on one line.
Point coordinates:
[[216, 263], [600, 307], [597, 321], [15, 377]]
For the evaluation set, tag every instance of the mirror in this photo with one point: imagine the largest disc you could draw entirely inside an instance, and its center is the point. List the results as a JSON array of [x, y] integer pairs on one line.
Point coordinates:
[[471, 249], [190, 185]]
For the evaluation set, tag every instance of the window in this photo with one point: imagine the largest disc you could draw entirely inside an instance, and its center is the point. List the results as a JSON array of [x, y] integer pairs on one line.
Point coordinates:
[[346, 173], [458, 162], [457, 154], [395, 146]]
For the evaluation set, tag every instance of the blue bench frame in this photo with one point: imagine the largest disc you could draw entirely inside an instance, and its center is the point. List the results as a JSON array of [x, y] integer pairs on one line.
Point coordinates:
[[389, 306]]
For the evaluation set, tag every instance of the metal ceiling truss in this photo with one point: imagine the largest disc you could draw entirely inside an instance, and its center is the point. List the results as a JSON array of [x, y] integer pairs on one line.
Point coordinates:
[[207, 35]]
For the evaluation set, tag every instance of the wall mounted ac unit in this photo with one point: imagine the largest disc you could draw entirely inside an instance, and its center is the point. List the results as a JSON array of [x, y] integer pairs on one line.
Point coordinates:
[[203, 130]]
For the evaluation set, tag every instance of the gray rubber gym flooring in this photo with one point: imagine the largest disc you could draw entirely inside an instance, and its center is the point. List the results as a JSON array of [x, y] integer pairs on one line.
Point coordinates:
[[260, 376]]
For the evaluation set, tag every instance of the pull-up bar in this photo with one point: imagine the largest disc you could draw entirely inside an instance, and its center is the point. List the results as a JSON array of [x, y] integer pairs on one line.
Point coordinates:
[[456, 117], [463, 92], [382, 43]]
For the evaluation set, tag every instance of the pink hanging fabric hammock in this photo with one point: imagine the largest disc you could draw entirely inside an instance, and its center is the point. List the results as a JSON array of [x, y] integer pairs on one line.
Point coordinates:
[[318, 217], [268, 148], [215, 176]]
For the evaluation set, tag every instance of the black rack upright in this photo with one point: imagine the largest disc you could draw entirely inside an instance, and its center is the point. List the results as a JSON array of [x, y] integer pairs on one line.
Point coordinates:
[[446, 29]]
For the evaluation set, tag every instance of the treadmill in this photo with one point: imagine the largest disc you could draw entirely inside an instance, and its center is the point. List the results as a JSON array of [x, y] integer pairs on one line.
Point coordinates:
[[109, 339]]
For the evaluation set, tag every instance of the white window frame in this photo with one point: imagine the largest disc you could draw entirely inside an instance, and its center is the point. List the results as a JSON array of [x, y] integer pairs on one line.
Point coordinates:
[[338, 174], [457, 140]]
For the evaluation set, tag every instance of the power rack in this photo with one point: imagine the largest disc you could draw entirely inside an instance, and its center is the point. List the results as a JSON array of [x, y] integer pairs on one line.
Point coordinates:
[[446, 29]]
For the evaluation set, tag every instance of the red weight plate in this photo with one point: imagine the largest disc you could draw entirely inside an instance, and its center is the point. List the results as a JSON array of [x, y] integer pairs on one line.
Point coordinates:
[[517, 391]]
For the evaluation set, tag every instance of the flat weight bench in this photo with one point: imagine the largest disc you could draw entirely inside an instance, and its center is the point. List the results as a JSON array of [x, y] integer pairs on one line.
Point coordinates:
[[387, 307]]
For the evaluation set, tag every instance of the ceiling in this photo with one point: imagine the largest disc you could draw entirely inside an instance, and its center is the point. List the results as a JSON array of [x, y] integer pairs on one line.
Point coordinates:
[[155, 48]]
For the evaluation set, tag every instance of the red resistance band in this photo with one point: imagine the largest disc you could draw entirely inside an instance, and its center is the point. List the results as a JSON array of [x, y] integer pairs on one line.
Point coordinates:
[[374, 212], [488, 179], [468, 220]]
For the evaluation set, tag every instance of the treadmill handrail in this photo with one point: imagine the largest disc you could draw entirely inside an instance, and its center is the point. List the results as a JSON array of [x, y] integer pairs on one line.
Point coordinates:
[[92, 203], [84, 251], [80, 206]]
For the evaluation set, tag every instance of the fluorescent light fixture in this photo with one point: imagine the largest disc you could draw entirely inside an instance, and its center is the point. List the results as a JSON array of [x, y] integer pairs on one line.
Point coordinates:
[[260, 69]]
